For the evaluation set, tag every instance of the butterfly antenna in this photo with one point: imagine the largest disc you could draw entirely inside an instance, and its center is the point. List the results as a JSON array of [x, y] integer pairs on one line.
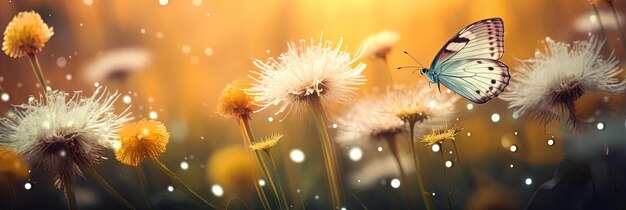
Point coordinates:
[[421, 66]]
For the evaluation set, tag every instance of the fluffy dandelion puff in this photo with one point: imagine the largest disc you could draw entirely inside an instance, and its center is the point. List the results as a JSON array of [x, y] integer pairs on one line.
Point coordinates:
[[441, 134], [235, 103], [116, 64], [366, 124], [142, 139], [266, 143], [379, 44], [546, 86], [308, 73], [26, 34], [420, 104], [64, 135]]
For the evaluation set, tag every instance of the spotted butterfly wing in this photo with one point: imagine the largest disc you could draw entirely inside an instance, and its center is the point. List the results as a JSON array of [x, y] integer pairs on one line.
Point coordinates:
[[468, 63]]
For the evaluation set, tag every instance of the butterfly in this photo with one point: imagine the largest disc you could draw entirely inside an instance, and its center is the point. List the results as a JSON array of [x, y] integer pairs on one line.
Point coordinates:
[[468, 63]]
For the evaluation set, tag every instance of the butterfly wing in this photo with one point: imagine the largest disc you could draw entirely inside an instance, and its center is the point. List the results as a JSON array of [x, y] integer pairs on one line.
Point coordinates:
[[478, 80], [482, 39]]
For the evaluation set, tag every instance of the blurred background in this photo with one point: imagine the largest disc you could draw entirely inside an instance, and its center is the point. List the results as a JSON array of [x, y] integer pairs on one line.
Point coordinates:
[[171, 60]]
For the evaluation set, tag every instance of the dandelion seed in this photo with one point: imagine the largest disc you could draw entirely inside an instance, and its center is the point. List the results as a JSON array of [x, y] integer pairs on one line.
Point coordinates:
[[5, 97], [378, 45], [495, 117], [395, 183], [513, 148], [528, 181], [28, 186], [267, 143], [163, 2], [261, 182], [545, 87], [550, 142], [184, 165], [170, 188], [355, 154], [600, 126], [73, 136], [297, 156]]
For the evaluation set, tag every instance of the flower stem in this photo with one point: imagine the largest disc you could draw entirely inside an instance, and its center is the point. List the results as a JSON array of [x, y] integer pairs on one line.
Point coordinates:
[[268, 175], [445, 179], [280, 186], [418, 170], [108, 187], [332, 172], [71, 198], [141, 175], [34, 62], [393, 147], [458, 158], [597, 13], [622, 36], [248, 137], [184, 186]]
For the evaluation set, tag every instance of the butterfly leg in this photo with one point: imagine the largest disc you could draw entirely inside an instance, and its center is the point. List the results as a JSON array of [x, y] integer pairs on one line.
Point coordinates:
[[439, 86]]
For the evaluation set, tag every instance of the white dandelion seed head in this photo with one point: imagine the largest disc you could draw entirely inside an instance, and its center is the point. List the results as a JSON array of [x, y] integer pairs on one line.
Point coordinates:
[[426, 106], [116, 64], [366, 124], [379, 44], [546, 86], [64, 134], [307, 73]]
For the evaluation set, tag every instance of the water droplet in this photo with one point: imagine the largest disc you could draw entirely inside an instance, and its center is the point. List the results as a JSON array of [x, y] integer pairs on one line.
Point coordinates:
[[5, 97], [593, 18], [513, 148], [528, 181], [297, 156], [515, 133], [334, 125], [127, 99], [600, 126], [448, 164], [28, 186], [495, 117], [469, 134], [196, 3], [317, 197], [96, 84], [511, 166], [261, 182], [217, 190], [184, 165], [270, 119], [380, 149], [395, 183], [170, 188], [355, 154], [470, 106], [153, 115], [550, 142], [343, 208], [61, 62], [436, 147], [186, 49], [163, 2], [434, 194]]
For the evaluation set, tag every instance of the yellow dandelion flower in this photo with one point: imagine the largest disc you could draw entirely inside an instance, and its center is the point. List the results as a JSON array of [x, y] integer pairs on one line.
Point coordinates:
[[12, 164], [266, 143], [235, 103], [231, 167], [139, 140], [26, 34], [440, 135]]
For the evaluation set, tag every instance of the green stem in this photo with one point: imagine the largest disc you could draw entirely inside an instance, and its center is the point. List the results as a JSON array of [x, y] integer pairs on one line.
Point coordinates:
[[391, 141], [418, 170], [622, 36], [280, 186], [268, 176], [11, 198], [458, 158], [34, 62], [248, 137], [108, 187], [184, 186], [332, 172], [445, 179], [71, 197], [141, 175]]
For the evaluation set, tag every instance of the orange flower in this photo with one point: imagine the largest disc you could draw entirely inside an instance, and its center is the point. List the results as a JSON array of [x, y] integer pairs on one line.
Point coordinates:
[[139, 140]]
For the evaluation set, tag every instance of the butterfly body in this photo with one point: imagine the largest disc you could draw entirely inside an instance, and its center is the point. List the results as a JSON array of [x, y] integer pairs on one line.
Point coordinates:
[[468, 63]]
